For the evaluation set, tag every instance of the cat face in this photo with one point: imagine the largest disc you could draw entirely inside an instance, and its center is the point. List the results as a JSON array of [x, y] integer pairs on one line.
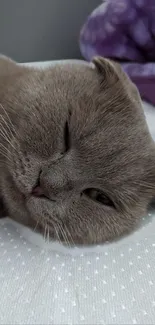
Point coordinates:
[[77, 158]]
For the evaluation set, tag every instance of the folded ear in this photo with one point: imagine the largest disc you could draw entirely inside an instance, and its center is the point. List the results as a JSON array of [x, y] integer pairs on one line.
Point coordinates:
[[106, 69], [111, 73], [7, 66]]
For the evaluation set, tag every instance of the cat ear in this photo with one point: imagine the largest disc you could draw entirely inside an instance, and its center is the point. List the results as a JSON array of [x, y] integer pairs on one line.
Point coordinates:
[[106, 69], [111, 72], [7, 66]]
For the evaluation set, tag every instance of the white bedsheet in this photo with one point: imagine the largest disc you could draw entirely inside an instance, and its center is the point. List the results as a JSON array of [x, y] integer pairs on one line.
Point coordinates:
[[48, 284]]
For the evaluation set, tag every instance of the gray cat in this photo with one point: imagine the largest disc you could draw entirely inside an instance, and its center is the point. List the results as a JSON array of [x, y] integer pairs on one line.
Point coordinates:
[[77, 160]]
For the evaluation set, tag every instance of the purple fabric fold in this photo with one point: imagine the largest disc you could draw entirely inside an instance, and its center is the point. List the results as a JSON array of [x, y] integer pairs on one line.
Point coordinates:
[[124, 30]]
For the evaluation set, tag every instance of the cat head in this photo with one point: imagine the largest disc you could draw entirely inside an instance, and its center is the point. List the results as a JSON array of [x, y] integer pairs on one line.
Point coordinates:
[[76, 154]]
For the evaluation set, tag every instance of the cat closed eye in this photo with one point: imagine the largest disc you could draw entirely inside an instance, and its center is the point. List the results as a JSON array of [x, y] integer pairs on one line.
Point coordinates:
[[98, 196], [66, 137]]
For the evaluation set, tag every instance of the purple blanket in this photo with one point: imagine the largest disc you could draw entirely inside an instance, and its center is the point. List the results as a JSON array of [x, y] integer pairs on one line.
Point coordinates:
[[124, 30]]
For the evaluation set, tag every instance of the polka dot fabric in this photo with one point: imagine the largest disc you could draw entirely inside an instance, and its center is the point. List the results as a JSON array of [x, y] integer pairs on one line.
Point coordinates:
[[109, 284]]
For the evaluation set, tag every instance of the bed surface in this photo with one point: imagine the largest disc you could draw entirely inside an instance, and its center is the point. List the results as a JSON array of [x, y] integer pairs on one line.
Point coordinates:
[[44, 283]]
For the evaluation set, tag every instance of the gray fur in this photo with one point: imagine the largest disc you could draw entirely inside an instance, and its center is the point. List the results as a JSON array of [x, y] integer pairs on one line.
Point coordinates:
[[110, 149]]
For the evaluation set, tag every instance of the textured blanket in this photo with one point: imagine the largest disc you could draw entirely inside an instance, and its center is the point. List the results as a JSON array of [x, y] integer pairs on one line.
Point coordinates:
[[124, 30]]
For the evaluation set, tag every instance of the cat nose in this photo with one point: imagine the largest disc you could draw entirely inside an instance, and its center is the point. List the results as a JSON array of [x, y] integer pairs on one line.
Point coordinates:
[[38, 191], [52, 184]]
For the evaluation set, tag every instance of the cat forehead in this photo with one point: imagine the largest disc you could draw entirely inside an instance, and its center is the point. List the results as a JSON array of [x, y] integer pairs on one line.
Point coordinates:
[[71, 86], [62, 85], [66, 78]]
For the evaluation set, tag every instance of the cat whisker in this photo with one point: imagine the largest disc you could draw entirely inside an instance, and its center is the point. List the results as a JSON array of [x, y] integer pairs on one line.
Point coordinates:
[[4, 152], [64, 235], [57, 233], [59, 229], [71, 237], [7, 139], [7, 125], [5, 130], [4, 136], [48, 234], [44, 236], [146, 184], [8, 117], [5, 147], [37, 224], [2, 146], [46, 228]]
